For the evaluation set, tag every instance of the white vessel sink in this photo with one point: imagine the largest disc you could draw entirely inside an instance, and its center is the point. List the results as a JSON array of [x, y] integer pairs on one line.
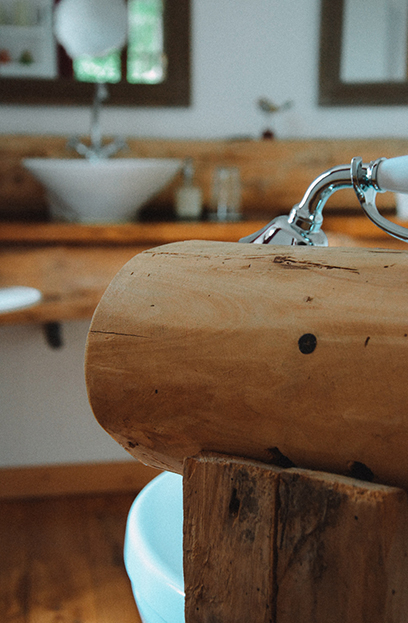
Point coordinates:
[[154, 550], [102, 191], [14, 298]]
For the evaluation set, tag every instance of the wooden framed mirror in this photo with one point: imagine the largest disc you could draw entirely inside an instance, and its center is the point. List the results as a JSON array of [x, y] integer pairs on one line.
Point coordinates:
[[341, 64], [174, 90]]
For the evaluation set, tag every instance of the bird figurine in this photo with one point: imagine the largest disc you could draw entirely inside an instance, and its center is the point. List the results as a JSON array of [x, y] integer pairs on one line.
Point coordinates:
[[268, 107]]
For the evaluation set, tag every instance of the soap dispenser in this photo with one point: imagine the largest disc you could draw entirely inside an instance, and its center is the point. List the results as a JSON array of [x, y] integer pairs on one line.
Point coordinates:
[[188, 197]]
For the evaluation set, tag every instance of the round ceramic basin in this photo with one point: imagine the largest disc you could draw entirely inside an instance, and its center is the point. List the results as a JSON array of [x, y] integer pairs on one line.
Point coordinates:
[[102, 191], [14, 298], [154, 550]]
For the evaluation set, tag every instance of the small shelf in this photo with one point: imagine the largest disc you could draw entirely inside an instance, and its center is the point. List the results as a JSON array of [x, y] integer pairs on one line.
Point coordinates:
[[22, 70], [37, 30], [34, 41]]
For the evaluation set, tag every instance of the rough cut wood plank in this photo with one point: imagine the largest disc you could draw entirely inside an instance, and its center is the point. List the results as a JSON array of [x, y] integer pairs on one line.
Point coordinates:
[[265, 544], [342, 550], [72, 264], [229, 523], [359, 229]]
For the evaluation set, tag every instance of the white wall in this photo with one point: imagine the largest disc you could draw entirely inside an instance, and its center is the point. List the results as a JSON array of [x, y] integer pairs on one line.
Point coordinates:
[[241, 50], [44, 412]]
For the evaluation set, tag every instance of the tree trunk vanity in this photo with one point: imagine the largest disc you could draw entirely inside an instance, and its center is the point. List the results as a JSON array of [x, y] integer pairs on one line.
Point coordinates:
[[268, 358], [272, 377]]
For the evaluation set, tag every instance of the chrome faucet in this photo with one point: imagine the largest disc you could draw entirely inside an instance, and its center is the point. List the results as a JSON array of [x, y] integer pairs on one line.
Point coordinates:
[[303, 224], [97, 150]]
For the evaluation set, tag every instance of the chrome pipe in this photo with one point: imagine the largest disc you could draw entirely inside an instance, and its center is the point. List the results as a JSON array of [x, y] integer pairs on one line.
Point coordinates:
[[303, 224]]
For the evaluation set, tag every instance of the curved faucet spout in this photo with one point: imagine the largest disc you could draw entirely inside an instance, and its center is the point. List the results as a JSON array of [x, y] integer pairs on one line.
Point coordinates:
[[308, 213], [96, 150], [303, 224]]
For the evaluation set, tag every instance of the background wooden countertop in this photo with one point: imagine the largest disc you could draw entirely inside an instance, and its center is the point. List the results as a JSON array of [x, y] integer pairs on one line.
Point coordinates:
[[72, 264]]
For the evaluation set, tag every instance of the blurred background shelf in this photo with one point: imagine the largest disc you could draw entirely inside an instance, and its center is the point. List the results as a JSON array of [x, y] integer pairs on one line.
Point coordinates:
[[72, 264]]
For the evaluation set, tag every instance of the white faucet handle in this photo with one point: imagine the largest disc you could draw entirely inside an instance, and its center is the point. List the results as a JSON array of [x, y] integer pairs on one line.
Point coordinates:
[[392, 174]]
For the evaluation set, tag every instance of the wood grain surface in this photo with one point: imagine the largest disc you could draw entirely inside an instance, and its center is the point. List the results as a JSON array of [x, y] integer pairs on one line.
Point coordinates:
[[225, 347], [266, 544], [229, 509], [61, 560]]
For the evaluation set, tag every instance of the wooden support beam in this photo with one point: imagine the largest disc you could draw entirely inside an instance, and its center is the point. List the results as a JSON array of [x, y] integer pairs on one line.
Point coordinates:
[[268, 545], [229, 519], [342, 550]]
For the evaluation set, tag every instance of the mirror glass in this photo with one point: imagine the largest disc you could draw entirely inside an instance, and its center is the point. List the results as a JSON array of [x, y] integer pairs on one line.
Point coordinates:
[[363, 52], [151, 69], [374, 41]]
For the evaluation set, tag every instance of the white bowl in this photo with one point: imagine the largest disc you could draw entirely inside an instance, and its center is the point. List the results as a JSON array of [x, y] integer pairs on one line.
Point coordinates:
[[104, 191], [14, 298], [154, 550]]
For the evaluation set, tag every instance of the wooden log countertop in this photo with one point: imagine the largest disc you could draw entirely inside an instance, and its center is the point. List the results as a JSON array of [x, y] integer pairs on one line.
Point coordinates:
[[72, 264]]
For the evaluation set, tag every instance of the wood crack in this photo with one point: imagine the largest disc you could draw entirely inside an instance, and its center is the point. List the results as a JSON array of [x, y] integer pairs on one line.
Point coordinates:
[[290, 262], [147, 337]]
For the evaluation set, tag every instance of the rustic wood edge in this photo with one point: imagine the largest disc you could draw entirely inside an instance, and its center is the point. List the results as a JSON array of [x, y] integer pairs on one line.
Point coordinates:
[[312, 523], [155, 234], [74, 479]]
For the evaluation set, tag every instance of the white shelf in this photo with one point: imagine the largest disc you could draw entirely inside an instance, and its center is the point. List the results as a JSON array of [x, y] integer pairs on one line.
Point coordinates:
[[11, 30], [23, 70], [37, 40]]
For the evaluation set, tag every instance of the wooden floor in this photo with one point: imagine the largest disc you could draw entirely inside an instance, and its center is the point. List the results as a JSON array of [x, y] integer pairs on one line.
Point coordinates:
[[61, 560]]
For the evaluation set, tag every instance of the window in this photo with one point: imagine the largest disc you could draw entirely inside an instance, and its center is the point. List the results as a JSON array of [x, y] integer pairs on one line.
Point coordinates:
[[146, 61], [102, 69]]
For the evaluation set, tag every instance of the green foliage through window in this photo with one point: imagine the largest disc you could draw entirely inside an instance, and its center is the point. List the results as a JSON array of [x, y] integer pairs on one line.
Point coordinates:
[[146, 60], [102, 69]]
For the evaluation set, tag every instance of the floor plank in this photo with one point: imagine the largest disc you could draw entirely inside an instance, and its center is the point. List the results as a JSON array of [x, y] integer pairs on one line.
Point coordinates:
[[61, 560]]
